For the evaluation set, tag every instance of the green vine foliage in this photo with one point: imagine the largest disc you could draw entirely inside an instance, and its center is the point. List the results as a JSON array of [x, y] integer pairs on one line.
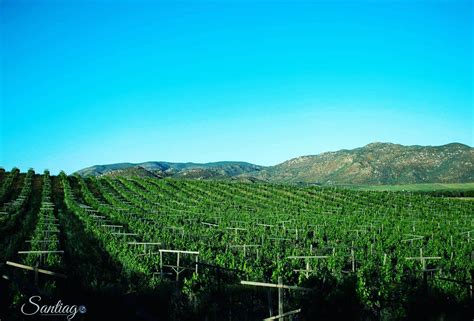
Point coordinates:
[[364, 239]]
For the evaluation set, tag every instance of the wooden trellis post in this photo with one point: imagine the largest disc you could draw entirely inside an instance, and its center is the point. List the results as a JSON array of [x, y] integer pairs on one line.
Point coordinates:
[[352, 257], [36, 270], [124, 234], [307, 258], [265, 225], [178, 268], [280, 286], [99, 219], [412, 237], [468, 233], [236, 229], [423, 260], [210, 224], [280, 297], [112, 226], [352, 260]]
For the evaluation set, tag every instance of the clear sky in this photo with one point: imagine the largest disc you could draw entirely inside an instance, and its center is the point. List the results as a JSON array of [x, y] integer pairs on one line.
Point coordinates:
[[262, 81]]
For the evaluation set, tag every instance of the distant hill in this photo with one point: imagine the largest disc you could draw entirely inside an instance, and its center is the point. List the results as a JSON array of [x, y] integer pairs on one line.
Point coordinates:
[[373, 164], [379, 163], [216, 170], [134, 171]]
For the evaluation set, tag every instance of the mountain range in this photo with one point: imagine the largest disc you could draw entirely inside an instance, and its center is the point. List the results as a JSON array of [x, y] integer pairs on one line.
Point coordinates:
[[373, 164]]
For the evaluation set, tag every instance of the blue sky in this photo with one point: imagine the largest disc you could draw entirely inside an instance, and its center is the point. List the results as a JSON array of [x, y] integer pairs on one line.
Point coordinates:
[[96, 82]]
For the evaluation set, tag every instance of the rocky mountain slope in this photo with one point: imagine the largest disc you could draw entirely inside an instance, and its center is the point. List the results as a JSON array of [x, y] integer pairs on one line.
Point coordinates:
[[373, 164], [379, 163]]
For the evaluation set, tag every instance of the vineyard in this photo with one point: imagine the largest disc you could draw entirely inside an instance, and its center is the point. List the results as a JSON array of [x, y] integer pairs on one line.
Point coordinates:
[[171, 249]]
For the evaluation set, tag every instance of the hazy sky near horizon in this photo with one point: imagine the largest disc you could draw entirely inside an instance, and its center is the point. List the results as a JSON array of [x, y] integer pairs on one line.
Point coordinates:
[[97, 82]]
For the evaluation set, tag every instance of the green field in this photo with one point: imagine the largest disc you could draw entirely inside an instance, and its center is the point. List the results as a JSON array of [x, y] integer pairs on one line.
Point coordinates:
[[359, 254], [416, 187]]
